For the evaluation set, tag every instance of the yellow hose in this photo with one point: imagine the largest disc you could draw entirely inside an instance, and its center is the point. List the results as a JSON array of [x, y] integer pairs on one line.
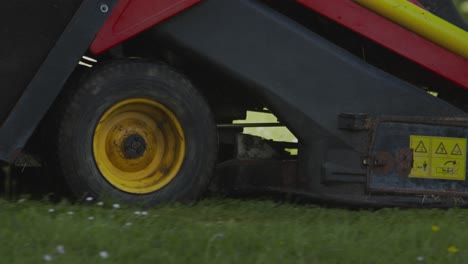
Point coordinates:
[[421, 22]]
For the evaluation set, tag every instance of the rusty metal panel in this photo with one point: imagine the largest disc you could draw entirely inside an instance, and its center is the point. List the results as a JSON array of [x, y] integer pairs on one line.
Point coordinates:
[[391, 158]]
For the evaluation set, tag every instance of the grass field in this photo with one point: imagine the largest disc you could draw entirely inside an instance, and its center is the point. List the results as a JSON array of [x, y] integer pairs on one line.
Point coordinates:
[[228, 231], [275, 133]]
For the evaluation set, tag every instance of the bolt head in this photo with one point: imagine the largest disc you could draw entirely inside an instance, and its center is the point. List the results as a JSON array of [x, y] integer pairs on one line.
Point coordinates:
[[104, 8]]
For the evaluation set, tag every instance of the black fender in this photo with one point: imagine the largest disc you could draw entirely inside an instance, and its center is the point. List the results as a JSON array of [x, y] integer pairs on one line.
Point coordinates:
[[51, 76]]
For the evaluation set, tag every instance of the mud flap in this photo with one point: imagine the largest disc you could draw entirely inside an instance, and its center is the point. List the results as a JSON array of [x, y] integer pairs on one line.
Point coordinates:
[[419, 156]]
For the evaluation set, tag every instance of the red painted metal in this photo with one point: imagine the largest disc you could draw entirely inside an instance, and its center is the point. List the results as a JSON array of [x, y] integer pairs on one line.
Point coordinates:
[[394, 38], [131, 17]]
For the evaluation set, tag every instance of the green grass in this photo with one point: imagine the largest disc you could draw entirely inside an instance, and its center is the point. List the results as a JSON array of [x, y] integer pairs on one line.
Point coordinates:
[[275, 133], [229, 231], [462, 6]]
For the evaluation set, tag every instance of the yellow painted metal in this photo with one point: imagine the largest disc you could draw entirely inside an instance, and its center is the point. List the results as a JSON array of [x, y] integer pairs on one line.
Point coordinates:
[[421, 22], [165, 145]]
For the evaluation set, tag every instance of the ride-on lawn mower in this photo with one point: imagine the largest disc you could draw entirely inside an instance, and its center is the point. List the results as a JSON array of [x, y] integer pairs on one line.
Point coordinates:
[[134, 99]]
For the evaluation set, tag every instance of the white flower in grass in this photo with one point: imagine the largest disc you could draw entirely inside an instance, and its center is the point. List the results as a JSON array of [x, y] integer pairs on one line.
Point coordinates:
[[21, 200], [116, 206], [51, 210], [420, 258], [100, 203], [70, 213], [144, 213], [128, 224], [60, 249], [89, 199], [91, 218], [137, 213], [47, 257], [104, 254]]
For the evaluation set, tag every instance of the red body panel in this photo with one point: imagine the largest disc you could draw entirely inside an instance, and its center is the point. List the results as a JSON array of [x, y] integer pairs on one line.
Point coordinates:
[[131, 17], [394, 37]]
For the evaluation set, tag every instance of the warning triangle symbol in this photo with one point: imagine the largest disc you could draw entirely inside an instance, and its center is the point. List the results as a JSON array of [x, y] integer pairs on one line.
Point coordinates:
[[421, 148], [456, 150], [441, 149]]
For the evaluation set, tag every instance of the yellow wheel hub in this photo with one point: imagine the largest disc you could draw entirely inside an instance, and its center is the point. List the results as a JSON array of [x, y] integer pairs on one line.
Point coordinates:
[[139, 145]]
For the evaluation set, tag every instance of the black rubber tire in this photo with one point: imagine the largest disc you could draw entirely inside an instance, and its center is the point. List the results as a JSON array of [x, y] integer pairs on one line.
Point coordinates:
[[111, 83]]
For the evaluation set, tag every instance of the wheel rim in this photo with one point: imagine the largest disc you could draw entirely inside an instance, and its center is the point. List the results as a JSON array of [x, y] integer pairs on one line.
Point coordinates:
[[139, 145]]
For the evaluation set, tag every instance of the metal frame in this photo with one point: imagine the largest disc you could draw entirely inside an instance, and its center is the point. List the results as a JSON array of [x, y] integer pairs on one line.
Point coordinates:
[[394, 37], [297, 77], [51, 76], [297, 80], [420, 21]]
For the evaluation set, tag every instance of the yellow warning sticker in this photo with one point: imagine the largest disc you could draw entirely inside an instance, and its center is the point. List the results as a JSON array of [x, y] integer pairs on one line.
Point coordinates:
[[438, 157]]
